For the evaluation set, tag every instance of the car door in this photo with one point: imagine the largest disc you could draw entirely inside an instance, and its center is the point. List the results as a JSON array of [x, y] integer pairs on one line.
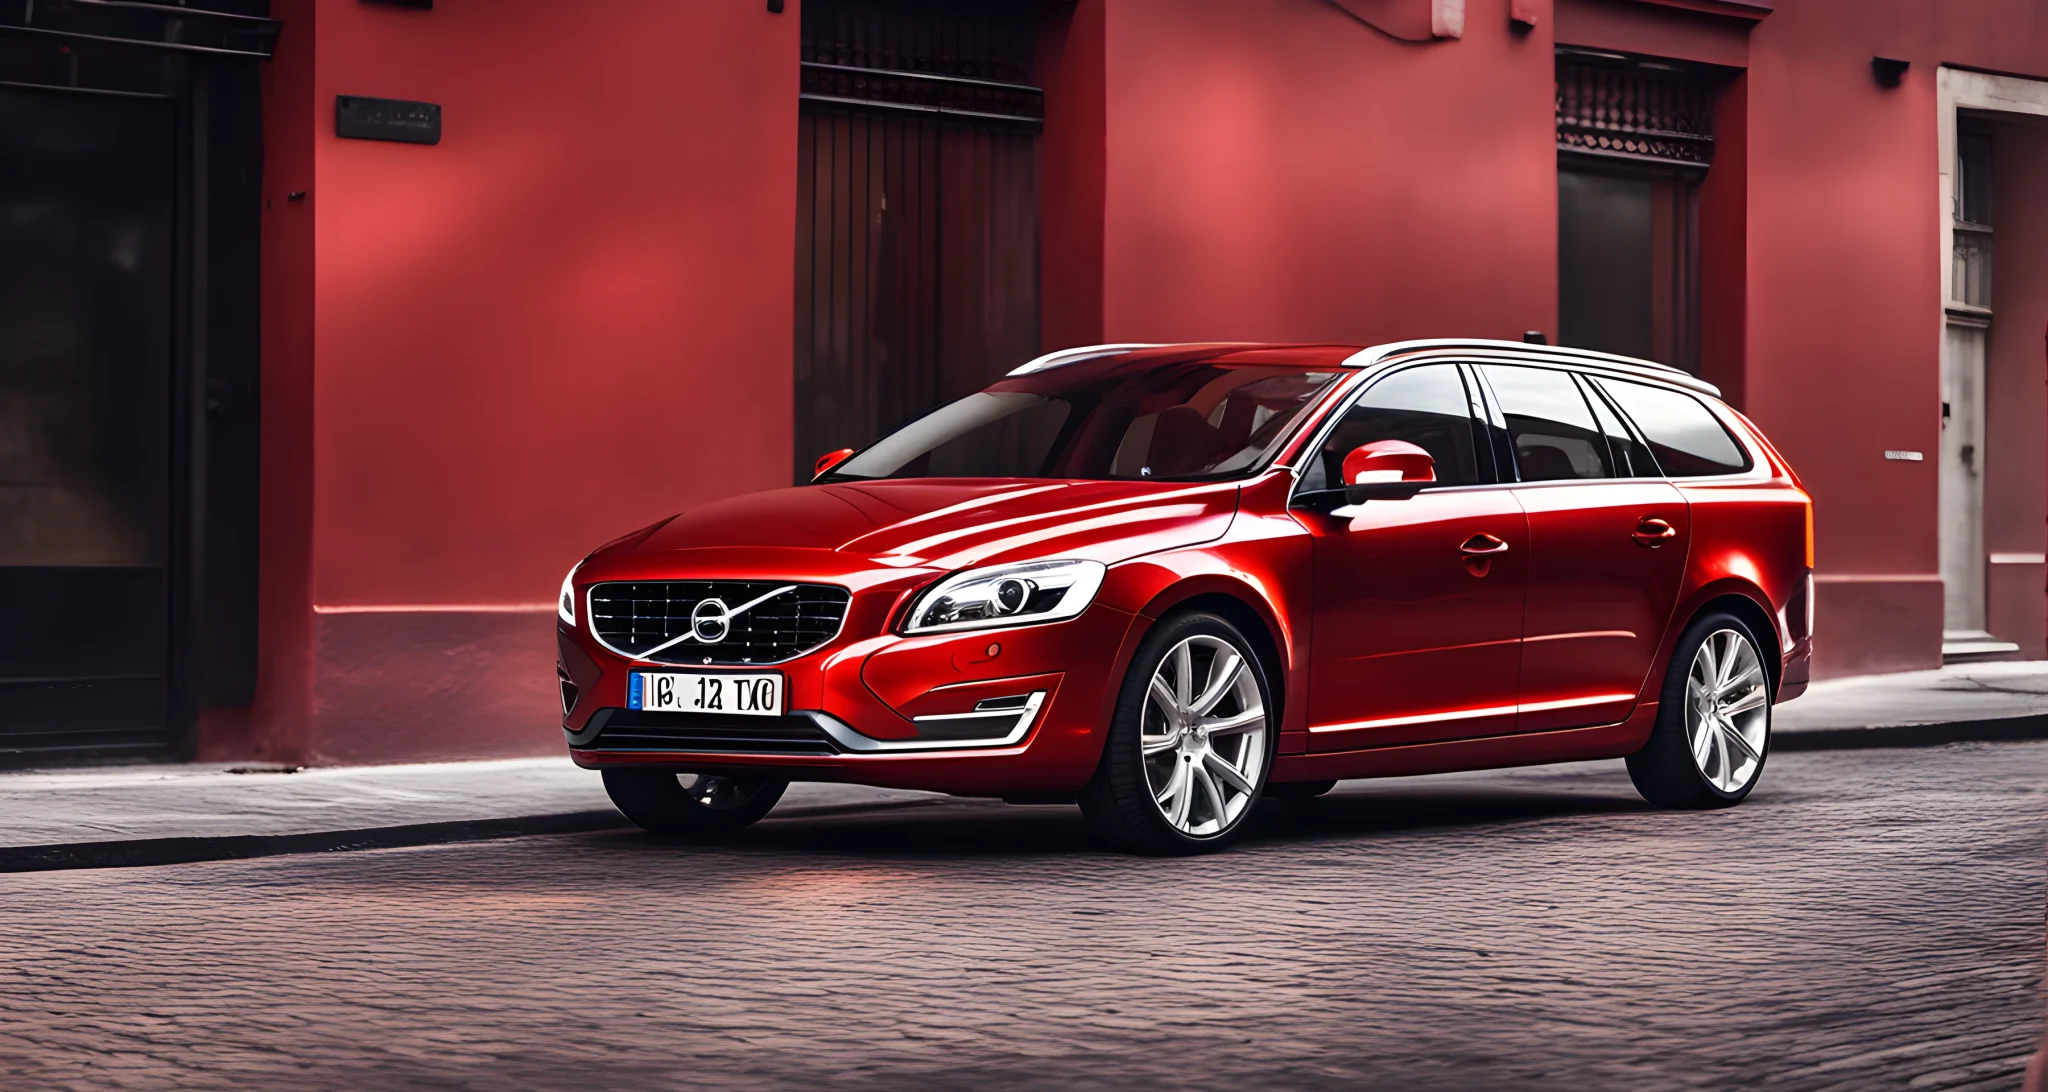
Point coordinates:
[[1417, 615], [1607, 545]]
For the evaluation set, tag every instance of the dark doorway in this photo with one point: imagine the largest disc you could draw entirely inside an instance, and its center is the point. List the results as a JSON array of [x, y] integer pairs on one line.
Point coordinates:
[[1627, 267], [1635, 138], [130, 161], [87, 197], [917, 211]]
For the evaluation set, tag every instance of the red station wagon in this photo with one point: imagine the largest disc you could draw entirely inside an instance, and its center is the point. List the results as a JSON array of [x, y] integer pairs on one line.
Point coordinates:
[[1166, 580]]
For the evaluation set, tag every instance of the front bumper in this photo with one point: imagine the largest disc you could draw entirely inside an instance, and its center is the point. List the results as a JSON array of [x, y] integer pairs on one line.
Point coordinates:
[[993, 711]]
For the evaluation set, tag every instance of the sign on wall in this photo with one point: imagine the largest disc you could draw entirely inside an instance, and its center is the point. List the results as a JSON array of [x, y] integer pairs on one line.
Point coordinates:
[[362, 118]]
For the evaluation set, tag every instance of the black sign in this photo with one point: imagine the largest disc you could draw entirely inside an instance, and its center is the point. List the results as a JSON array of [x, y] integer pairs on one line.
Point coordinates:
[[387, 119]]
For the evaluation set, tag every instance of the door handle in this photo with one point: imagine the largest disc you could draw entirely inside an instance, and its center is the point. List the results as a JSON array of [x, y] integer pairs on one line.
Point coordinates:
[[1652, 532], [1483, 545], [1480, 550]]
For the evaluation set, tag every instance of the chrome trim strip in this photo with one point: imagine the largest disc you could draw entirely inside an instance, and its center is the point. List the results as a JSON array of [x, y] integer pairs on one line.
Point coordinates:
[[1321, 418], [1628, 366], [1078, 354], [1468, 714], [1317, 430], [1573, 703], [1395, 722], [979, 714], [858, 744], [1372, 361], [1614, 367], [590, 623]]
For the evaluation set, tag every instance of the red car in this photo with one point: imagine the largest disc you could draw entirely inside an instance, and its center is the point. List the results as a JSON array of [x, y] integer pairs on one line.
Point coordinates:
[[1164, 581]]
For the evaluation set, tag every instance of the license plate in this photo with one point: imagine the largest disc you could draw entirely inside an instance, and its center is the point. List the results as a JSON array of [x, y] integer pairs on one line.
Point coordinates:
[[703, 692]]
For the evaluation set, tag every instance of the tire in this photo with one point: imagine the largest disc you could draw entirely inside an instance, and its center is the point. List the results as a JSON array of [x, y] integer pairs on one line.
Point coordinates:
[[1298, 790], [1699, 760], [1222, 735], [670, 803]]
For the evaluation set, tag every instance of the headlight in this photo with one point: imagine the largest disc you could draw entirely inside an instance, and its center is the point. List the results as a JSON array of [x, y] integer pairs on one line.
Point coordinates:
[[1007, 595], [565, 603]]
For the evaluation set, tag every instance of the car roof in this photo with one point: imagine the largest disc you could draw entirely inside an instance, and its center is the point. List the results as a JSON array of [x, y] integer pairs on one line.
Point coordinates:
[[1377, 356]]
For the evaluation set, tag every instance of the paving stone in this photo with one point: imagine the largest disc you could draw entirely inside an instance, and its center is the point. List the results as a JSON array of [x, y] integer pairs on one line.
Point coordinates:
[[1870, 919]]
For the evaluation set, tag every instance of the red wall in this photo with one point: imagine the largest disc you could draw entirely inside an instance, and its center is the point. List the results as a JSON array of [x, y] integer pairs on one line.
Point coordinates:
[[1281, 171], [1844, 299], [276, 725], [568, 319], [1632, 26], [574, 315], [579, 301], [1845, 323]]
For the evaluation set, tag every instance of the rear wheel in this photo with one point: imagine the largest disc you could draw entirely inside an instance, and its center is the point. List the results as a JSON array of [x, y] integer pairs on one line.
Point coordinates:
[[1713, 728], [1190, 744], [670, 803]]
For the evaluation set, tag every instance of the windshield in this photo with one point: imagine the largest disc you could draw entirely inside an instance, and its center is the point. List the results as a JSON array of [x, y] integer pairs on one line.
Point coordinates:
[[1168, 421]]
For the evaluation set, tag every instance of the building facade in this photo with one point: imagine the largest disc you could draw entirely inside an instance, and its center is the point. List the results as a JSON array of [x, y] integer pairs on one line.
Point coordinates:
[[311, 397]]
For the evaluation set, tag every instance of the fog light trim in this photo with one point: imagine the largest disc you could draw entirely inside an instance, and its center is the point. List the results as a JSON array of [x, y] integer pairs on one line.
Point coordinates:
[[1020, 722]]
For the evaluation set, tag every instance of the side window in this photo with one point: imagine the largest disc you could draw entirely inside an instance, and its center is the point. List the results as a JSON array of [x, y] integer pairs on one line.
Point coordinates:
[[1425, 406], [1552, 428], [1631, 459], [1684, 435]]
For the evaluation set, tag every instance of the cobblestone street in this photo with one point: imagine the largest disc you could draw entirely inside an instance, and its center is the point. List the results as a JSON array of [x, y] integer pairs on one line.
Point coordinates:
[[1869, 919]]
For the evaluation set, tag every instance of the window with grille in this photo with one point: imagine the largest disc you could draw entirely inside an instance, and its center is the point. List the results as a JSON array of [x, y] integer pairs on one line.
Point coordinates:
[[1635, 137], [1971, 283]]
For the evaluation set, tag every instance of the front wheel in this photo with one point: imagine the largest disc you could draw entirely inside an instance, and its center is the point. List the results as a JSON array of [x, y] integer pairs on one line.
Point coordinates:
[[1190, 743], [670, 803], [1713, 726]]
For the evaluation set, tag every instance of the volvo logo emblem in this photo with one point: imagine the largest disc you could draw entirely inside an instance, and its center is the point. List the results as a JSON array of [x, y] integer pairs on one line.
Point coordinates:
[[710, 621]]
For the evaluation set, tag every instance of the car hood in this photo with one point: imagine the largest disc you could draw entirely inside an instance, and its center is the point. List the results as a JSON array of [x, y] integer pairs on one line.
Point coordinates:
[[951, 523]]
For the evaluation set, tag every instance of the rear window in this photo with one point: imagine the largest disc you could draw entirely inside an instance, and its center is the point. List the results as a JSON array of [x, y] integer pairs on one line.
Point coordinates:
[[1686, 438]]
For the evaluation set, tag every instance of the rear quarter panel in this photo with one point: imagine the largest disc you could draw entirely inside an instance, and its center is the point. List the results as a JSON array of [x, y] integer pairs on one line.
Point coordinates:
[[1749, 538]]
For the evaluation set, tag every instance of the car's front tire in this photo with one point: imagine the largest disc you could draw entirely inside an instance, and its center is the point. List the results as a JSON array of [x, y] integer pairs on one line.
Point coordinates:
[[1713, 729], [671, 803], [1190, 744]]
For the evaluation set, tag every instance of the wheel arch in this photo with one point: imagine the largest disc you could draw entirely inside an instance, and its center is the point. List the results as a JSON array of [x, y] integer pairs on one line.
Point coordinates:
[[1746, 603], [1240, 605]]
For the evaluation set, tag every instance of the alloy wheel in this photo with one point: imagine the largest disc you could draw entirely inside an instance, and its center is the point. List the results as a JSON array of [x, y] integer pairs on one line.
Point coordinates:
[[1727, 710], [1203, 736]]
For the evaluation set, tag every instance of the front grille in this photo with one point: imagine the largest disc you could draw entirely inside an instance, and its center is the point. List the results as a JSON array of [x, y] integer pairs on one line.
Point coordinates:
[[638, 730], [635, 618]]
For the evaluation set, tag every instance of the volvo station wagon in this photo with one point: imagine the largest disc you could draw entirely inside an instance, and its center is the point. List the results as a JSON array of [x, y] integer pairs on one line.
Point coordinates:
[[1167, 581]]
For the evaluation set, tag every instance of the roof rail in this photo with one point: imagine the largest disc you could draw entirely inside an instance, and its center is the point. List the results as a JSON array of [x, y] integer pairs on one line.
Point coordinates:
[[1076, 355], [1650, 369]]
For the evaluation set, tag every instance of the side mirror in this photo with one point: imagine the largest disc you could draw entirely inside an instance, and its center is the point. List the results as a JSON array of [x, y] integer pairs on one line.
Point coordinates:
[[829, 460], [1388, 470]]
